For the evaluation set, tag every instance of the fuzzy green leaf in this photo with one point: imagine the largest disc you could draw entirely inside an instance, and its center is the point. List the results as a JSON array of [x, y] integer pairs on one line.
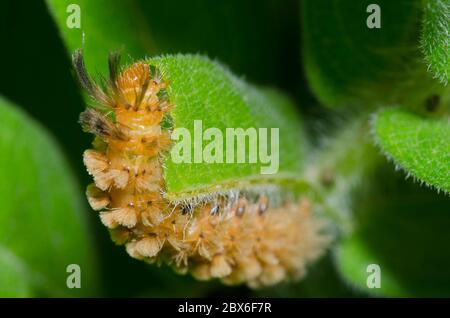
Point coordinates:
[[420, 146], [42, 225], [341, 165], [402, 228], [349, 64], [204, 90], [435, 37], [104, 26]]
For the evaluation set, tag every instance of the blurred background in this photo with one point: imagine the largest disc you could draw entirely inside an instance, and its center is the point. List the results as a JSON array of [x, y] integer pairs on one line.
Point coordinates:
[[258, 40]]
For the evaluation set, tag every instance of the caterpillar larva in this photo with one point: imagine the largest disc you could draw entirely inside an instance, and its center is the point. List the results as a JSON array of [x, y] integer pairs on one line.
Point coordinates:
[[234, 238]]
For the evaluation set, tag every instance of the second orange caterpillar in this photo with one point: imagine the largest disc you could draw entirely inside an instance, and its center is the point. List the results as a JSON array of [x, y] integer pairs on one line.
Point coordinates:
[[233, 238]]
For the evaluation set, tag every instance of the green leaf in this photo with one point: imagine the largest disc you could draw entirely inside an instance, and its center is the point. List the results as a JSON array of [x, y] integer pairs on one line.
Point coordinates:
[[42, 219], [403, 228], [435, 37], [349, 64], [12, 278], [104, 26], [149, 27], [204, 90], [420, 146]]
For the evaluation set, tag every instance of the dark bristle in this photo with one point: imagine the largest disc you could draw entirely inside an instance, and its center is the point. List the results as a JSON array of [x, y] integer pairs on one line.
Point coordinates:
[[80, 68], [187, 208], [85, 81], [95, 122], [114, 71], [432, 102], [142, 92]]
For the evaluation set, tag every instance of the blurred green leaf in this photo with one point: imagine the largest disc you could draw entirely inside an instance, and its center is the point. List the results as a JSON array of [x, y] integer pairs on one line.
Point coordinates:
[[420, 146], [349, 64], [104, 26], [435, 37], [13, 277], [204, 90], [403, 228], [258, 41], [42, 219], [53, 99]]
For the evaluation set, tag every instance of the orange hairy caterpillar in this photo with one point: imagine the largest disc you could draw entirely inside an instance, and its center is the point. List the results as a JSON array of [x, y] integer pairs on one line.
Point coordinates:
[[235, 237]]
